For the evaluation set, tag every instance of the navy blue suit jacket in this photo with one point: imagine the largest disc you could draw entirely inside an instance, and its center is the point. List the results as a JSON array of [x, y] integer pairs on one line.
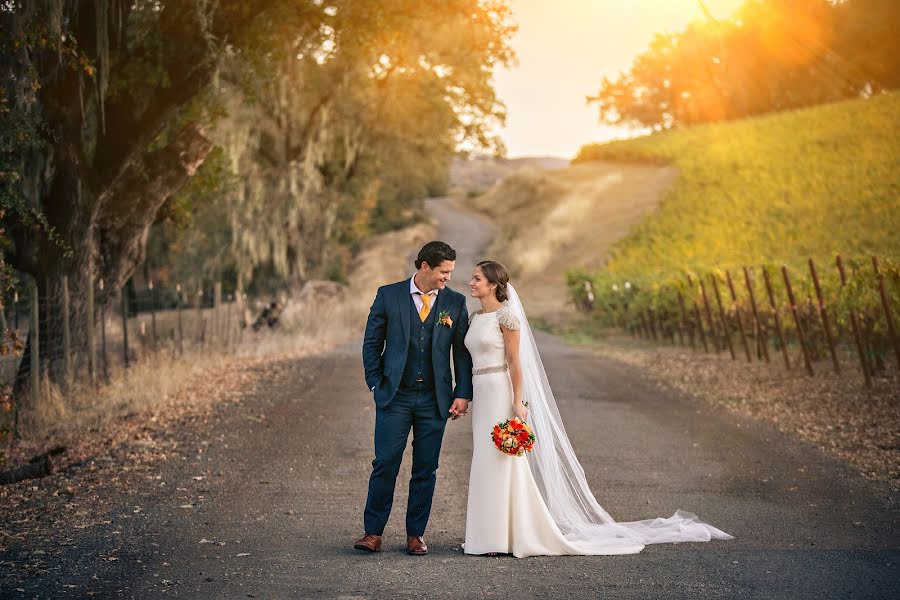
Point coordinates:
[[386, 344]]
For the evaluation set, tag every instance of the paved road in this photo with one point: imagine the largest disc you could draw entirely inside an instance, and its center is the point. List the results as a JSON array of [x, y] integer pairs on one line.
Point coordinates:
[[284, 482]]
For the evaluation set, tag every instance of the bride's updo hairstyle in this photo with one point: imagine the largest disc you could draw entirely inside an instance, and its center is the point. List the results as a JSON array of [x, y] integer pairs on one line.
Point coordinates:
[[494, 272]]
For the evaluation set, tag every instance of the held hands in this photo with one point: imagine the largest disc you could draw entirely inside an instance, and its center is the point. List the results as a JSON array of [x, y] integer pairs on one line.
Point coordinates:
[[519, 410], [459, 408]]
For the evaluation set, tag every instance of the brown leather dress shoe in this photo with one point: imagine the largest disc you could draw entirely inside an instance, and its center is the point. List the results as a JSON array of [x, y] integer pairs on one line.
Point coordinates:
[[415, 545], [370, 542]]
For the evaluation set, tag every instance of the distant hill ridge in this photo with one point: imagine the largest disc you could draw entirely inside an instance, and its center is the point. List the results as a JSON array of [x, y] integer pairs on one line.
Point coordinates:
[[476, 175]]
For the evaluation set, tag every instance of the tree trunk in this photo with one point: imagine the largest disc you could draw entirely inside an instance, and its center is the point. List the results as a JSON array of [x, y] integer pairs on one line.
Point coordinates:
[[107, 242]]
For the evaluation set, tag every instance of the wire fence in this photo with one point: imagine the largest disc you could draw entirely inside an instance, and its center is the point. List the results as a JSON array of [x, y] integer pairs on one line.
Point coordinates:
[[67, 335]]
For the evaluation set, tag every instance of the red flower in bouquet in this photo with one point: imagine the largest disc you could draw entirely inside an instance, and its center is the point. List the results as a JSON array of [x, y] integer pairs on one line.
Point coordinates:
[[513, 437]]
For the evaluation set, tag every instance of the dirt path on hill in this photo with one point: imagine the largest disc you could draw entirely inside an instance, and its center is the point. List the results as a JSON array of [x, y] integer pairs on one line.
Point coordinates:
[[551, 221]]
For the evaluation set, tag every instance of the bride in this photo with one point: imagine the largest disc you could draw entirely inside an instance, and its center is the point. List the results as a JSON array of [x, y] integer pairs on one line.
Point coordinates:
[[539, 504]]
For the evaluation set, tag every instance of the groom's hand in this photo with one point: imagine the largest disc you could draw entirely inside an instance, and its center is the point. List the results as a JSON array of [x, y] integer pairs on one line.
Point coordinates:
[[459, 408]]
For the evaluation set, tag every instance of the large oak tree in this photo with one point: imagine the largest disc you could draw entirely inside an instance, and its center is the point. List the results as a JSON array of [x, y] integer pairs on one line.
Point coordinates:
[[123, 100]]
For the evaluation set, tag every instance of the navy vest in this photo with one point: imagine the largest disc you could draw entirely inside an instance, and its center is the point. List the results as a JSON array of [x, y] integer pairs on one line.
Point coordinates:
[[418, 356]]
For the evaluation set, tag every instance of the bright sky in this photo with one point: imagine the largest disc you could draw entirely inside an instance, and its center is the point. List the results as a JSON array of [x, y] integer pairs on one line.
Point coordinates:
[[565, 48]]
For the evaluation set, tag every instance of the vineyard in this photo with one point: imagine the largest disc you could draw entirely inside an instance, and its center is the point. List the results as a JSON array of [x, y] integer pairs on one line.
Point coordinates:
[[779, 188], [741, 255], [845, 314]]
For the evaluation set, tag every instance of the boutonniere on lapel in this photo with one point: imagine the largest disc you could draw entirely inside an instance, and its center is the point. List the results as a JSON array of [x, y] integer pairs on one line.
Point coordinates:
[[444, 319]]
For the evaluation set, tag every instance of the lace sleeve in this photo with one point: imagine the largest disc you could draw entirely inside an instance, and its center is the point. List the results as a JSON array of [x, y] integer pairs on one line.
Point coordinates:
[[472, 315], [506, 318]]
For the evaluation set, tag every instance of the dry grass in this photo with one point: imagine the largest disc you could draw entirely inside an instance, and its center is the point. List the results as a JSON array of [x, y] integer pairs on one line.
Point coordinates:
[[319, 317], [156, 378], [551, 221], [833, 412], [476, 175]]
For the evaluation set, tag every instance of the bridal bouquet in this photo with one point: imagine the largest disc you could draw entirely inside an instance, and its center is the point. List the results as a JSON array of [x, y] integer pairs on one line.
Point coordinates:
[[513, 437]]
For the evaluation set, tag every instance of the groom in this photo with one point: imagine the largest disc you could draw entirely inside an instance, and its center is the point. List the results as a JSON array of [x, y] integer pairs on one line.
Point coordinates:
[[412, 328]]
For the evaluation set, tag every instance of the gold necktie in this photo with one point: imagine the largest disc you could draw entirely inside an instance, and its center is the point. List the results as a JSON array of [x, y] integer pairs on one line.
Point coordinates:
[[426, 308]]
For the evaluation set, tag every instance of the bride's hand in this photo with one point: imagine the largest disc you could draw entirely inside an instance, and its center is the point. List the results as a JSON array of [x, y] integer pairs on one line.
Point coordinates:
[[519, 411]]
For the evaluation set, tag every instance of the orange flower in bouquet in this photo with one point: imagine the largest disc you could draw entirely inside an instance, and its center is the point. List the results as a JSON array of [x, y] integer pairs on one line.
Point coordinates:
[[513, 437]]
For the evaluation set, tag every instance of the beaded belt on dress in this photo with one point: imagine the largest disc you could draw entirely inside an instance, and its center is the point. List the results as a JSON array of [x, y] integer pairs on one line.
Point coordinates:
[[494, 369]]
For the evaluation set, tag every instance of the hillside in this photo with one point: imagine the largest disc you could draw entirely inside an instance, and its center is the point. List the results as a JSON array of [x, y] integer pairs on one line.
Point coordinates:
[[477, 174], [549, 221], [777, 188]]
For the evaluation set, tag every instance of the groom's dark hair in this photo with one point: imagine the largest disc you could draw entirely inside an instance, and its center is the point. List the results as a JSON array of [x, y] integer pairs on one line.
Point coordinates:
[[434, 253]]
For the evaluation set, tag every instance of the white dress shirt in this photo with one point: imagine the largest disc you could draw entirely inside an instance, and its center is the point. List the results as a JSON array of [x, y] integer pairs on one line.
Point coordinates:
[[417, 295]]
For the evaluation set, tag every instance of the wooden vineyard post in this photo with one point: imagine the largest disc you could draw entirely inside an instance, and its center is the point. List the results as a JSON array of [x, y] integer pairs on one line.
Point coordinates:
[[103, 337], [124, 295], [178, 305], [35, 330], [774, 305], [854, 325], [712, 325], [722, 316], [228, 324], [651, 316], [790, 293], [761, 335], [201, 326], [241, 298], [66, 332], [91, 342], [45, 307], [48, 332], [153, 314], [892, 330], [684, 320], [737, 316], [679, 327], [697, 316], [216, 334], [826, 324]]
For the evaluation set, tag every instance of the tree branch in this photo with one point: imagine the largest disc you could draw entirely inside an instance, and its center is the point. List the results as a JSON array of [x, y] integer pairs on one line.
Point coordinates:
[[129, 206]]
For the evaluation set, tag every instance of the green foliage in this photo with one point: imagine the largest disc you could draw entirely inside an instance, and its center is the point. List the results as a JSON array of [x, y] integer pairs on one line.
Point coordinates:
[[778, 188], [189, 243], [764, 192], [772, 55], [22, 129], [338, 135]]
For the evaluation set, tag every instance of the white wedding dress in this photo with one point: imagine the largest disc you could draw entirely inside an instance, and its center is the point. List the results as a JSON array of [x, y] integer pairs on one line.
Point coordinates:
[[540, 503]]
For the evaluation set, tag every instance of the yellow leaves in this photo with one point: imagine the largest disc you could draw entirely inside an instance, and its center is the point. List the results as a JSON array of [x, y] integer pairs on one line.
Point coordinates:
[[782, 186]]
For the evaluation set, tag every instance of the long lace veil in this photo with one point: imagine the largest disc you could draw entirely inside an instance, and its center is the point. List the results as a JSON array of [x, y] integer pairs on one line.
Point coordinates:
[[561, 479]]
